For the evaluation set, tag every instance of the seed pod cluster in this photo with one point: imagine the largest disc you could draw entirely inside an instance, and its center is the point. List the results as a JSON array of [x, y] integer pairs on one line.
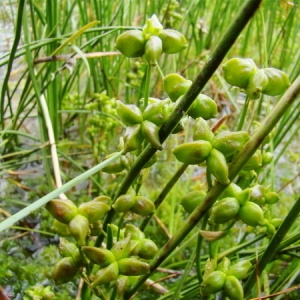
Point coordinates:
[[152, 41], [243, 73]]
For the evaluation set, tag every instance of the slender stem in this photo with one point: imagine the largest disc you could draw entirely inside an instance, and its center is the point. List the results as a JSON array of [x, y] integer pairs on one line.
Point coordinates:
[[243, 115], [147, 85], [273, 245]]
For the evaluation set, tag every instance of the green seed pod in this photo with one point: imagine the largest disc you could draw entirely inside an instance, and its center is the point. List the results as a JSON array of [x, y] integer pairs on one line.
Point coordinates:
[[172, 41], [153, 49], [62, 210], [156, 112], [133, 267], [150, 133], [224, 265], [203, 107], [238, 71], [229, 142], [99, 256], [123, 285], [152, 26], [105, 199], [251, 214], [106, 275], [267, 158], [134, 232], [193, 153], [133, 138], [131, 43], [129, 114], [232, 190], [213, 283], [217, 166], [244, 196], [65, 270], [115, 167], [96, 228], [68, 249], [240, 269], [202, 131], [224, 210], [271, 198], [93, 210], [256, 85], [176, 85], [148, 249], [121, 249], [191, 200], [79, 229], [123, 203], [233, 288], [143, 206], [60, 228], [255, 162], [278, 81]]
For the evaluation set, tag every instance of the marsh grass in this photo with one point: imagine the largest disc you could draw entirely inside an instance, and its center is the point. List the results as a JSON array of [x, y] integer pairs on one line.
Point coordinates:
[[75, 91]]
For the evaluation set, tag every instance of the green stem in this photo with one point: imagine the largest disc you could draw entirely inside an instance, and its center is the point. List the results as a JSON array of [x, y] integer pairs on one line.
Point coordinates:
[[37, 204], [273, 245], [243, 115], [147, 85]]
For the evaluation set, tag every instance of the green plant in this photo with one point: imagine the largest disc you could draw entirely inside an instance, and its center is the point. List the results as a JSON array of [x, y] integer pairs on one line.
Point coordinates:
[[111, 242]]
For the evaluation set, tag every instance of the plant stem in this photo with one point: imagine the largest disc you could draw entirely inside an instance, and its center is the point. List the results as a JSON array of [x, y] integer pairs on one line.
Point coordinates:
[[147, 85], [244, 112]]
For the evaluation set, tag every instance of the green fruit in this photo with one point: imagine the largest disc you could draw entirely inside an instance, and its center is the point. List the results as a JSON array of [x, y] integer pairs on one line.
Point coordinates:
[[64, 270], [121, 249], [106, 275], [152, 26], [131, 43], [233, 288], [115, 167], [63, 210], [99, 256], [93, 210], [148, 249], [156, 112], [133, 138], [133, 267], [203, 107], [240, 269], [192, 199], [238, 71], [153, 49], [277, 83], [213, 283], [176, 85], [68, 249], [224, 265], [143, 206], [271, 198], [150, 133], [202, 131], [232, 190], [251, 214], [134, 232], [129, 113], [79, 229], [256, 85], [255, 161], [172, 41], [193, 153], [229, 142], [224, 210], [217, 166], [123, 203]]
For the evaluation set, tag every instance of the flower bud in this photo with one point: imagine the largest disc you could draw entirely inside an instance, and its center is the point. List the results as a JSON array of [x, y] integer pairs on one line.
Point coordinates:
[[202, 131], [278, 81], [62, 210], [93, 210], [133, 138], [224, 210], [213, 283], [123, 203], [233, 288], [99, 256], [79, 229], [132, 267], [240, 269], [193, 153], [150, 133], [217, 166], [153, 49], [148, 249], [129, 114], [176, 85], [131, 43], [229, 142], [192, 199], [143, 206], [256, 85], [238, 71], [64, 270], [106, 275], [251, 214], [172, 41], [121, 249], [203, 107]]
